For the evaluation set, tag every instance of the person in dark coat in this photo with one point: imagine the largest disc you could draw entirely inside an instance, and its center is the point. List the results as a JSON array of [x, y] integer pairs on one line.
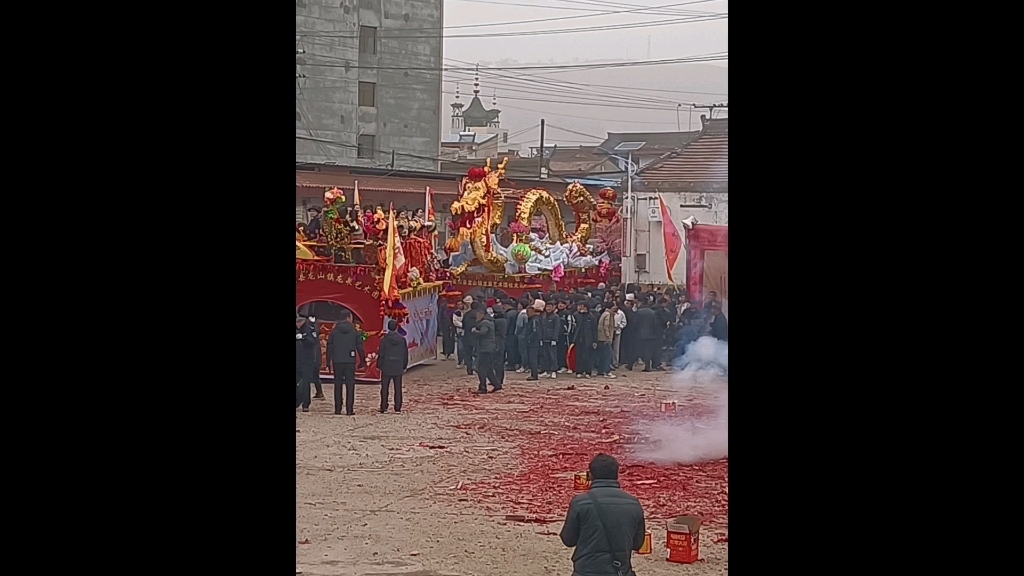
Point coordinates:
[[550, 334], [497, 375], [689, 334], [447, 333], [313, 228], [711, 301], [719, 325], [468, 323], [664, 315], [318, 358], [306, 346], [585, 340], [646, 331], [605, 504], [483, 336], [511, 342], [345, 351], [392, 359], [568, 332], [531, 337]]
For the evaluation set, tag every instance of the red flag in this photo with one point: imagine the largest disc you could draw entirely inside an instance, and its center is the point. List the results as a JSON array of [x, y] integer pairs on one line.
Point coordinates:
[[673, 241]]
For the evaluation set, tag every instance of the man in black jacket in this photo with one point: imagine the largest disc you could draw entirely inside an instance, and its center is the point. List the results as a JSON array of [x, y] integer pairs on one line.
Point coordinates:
[[664, 315], [306, 345], [586, 339], [483, 334], [550, 334], [344, 351], [604, 516], [568, 332], [532, 337], [511, 350], [317, 359], [646, 331], [719, 325], [468, 323], [392, 359], [497, 374]]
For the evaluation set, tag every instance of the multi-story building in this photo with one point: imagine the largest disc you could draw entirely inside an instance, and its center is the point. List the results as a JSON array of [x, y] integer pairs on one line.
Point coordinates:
[[368, 82]]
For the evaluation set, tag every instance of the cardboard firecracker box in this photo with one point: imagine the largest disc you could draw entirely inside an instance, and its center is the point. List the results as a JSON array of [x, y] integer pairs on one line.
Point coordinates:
[[683, 539]]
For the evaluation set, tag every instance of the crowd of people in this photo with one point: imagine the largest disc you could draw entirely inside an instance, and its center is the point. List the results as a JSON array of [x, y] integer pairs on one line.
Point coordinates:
[[606, 327]]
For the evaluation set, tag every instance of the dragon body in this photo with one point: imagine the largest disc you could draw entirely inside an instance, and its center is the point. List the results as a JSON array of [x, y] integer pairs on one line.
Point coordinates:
[[480, 210]]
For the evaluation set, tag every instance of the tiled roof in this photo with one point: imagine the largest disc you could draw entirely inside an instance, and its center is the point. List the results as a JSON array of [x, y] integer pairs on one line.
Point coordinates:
[[656, 142], [580, 160], [475, 115], [703, 161]]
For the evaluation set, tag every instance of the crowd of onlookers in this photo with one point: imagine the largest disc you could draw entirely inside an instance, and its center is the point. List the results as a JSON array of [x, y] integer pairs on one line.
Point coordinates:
[[601, 329]]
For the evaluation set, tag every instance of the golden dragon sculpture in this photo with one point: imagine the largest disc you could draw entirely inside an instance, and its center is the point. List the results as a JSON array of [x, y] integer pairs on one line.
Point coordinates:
[[480, 210]]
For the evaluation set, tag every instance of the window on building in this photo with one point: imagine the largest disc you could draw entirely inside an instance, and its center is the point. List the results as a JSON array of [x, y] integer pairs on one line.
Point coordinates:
[[366, 145], [367, 40], [504, 137], [367, 94]]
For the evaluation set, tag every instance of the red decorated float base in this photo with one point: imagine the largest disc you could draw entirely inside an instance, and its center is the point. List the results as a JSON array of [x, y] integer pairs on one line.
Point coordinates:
[[355, 287]]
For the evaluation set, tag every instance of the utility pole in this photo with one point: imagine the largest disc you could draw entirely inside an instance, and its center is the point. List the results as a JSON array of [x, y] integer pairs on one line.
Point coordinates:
[[678, 106], [540, 163]]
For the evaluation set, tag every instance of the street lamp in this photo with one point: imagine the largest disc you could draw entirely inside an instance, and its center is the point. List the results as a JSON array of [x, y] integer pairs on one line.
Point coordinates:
[[630, 203]]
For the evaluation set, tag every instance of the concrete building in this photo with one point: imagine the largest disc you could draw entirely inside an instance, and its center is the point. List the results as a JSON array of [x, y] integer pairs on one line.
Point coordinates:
[[368, 82], [694, 182]]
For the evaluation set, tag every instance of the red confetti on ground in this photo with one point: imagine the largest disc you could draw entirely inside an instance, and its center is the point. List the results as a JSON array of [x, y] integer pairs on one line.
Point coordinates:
[[557, 432]]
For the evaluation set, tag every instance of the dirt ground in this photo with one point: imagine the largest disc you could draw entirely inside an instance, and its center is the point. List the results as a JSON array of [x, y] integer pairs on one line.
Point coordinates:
[[383, 494]]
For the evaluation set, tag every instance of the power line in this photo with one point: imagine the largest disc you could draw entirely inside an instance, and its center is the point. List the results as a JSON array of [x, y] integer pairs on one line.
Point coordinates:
[[595, 14], [644, 24], [715, 57]]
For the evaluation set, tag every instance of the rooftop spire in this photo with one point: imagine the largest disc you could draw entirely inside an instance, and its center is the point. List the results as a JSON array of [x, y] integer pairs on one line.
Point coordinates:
[[456, 91], [476, 81], [494, 99]]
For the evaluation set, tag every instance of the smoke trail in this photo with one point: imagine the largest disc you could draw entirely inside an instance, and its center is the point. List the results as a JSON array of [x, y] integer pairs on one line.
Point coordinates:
[[703, 379]]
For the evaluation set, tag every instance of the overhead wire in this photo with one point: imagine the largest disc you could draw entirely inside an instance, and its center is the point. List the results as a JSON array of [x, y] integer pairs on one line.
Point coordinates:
[[577, 30]]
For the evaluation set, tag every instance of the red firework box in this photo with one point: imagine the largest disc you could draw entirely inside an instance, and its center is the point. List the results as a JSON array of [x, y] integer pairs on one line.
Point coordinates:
[[668, 406], [683, 539], [581, 481]]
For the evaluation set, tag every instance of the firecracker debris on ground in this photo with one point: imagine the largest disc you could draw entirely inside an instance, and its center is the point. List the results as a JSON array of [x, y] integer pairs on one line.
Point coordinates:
[[459, 474]]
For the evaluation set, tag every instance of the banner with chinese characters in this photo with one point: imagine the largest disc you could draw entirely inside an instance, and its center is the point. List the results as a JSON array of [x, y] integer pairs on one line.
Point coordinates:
[[421, 328]]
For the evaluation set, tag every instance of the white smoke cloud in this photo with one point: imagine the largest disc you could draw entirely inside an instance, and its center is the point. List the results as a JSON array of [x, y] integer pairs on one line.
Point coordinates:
[[702, 378]]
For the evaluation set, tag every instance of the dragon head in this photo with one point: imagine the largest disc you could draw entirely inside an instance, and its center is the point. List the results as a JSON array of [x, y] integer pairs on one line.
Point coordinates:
[[479, 185]]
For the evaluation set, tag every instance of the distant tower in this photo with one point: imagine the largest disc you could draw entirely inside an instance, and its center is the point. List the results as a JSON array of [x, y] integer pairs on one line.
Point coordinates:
[[457, 121], [475, 115]]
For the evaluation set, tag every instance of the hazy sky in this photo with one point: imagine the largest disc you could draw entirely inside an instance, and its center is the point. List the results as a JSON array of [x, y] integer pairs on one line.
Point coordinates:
[[637, 98], [667, 41]]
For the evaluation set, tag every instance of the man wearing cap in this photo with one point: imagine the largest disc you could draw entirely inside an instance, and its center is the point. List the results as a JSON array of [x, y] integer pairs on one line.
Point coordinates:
[[532, 334], [306, 345]]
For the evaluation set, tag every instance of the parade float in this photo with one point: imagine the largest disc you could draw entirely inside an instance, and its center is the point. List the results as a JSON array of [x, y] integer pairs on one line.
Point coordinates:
[[378, 268], [552, 258]]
